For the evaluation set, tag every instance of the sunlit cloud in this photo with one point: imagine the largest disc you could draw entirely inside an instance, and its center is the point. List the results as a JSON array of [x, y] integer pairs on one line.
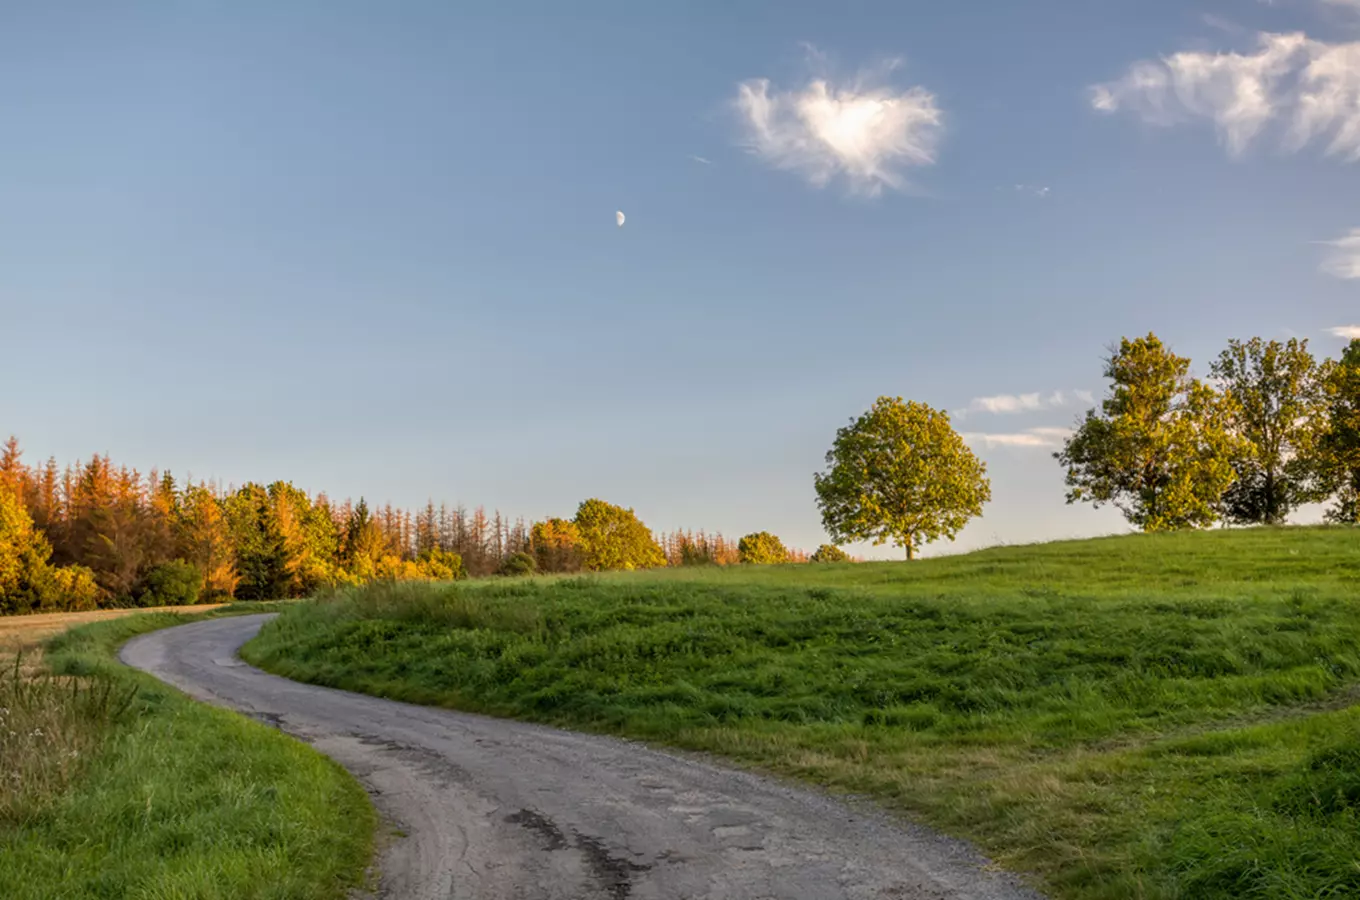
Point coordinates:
[[1030, 438], [1308, 90], [1344, 259], [866, 134], [1348, 332], [1005, 404]]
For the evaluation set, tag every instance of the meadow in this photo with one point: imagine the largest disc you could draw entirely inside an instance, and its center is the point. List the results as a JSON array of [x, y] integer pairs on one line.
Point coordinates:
[[1147, 716], [115, 785]]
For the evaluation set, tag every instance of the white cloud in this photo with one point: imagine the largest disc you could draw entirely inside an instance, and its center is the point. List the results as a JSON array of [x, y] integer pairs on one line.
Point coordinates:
[[867, 134], [1310, 88], [1004, 404], [1344, 260], [1036, 190], [700, 159], [1030, 437], [1350, 4], [1349, 332]]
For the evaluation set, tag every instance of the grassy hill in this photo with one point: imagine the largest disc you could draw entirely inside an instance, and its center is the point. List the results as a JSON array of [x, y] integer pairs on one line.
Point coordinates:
[[1147, 716]]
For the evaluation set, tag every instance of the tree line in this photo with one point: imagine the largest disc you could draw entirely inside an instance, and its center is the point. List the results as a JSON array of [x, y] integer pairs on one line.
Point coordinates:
[[93, 534], [1271, 429]]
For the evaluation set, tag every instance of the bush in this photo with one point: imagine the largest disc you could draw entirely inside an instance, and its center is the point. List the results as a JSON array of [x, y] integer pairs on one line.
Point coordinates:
[[68, 589], [829, 553], [761, 548], [174, 583], [440, 565], [517, 564]]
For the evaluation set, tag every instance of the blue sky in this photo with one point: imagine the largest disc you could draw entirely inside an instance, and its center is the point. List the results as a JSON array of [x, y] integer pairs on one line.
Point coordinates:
[[371, 248]]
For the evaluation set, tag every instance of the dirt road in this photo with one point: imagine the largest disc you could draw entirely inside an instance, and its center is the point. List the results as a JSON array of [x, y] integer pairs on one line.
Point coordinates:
[[500, 810]]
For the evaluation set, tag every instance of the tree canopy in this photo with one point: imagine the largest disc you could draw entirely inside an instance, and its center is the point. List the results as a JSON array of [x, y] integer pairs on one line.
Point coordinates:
[[613, 538], [1273, 397], [1338, 442], [829, 553], [762, 548], [1159, 448], [900, 473]]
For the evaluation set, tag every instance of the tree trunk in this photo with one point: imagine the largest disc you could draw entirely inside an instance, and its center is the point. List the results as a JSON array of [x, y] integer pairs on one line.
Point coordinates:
[[911, 549]]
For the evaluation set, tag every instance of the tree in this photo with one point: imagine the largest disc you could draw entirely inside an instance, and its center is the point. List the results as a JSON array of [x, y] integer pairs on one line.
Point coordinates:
[[761, 548], [829, 553], [262, 557], [613, 538], [1338, 444], [556, 545], [205, 540], [364, 544], [1160, 448], [1275, 406], [900, 473], [173, 583], [439, 565], [23, 555]]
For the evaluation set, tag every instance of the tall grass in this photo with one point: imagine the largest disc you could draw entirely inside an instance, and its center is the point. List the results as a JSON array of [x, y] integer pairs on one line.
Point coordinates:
[[127, 788], [49, 726], [1132, 717]]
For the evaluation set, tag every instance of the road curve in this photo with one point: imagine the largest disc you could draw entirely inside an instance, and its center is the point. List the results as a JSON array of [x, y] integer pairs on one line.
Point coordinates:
[[501, 810]]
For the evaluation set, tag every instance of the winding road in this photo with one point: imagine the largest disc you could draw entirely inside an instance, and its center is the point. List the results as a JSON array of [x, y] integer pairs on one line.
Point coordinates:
[[501, 810]]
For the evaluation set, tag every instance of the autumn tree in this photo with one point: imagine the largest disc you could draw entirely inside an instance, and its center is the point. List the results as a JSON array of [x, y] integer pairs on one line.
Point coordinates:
[[761, 548], [900, 473], [829, 553], [556, 545], [1337, 460], [1274, 405], [205, 540], [1160, 447], [364, 544], [613, 537]]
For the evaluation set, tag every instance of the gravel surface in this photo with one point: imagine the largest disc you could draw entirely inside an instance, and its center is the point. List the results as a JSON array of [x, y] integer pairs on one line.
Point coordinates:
[[490, 809]]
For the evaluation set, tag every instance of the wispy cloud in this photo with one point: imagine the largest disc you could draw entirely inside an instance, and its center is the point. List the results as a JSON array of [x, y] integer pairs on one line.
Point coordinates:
[[1310, 88], [1030, 437], [1344, 259], [1349, 332], [700, 159], [868, 134], [1034, 190], [1005, 404]]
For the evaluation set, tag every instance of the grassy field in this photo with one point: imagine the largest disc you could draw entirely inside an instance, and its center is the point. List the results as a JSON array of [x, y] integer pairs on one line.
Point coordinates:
[[115, 786], [1137, 717]]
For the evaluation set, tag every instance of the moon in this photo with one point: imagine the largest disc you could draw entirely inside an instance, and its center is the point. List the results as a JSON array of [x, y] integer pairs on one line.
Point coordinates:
[[619, 217]]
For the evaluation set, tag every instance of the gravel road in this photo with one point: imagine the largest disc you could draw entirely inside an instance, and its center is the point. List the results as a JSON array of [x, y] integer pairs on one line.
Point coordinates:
[[501, 810]]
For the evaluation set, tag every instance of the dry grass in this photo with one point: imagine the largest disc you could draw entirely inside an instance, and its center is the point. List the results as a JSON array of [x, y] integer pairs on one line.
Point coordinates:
[[49, 725]]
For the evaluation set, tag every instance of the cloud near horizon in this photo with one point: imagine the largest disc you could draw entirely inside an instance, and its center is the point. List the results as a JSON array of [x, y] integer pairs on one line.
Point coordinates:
[[1344, 260], [1031, 438], [1349, 332], [1003, 404], [868, 135], [1310, 88]]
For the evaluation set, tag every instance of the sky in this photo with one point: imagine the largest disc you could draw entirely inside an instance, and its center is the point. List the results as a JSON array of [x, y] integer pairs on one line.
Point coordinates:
[[372, 248]]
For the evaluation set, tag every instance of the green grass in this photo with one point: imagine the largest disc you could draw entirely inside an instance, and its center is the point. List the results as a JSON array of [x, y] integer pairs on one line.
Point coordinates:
[[175, 800], [1136, 717]]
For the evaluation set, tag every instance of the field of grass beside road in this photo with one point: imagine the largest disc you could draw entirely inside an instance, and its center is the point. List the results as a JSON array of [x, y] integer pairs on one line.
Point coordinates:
[[1164, 716], [118, 786]]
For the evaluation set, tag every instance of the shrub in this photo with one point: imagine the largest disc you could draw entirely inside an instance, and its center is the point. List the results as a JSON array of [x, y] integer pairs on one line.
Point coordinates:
[[829, 553], [68, 588], [440, 565], [174, 583], [517, 564], [761, 548]]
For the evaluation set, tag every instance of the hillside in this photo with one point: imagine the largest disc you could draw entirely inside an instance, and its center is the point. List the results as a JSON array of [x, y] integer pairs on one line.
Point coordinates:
[[1142, 716]]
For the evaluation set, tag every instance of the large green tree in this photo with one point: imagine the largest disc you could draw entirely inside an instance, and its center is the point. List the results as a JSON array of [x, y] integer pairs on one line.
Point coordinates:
[[263, 560], [612, 537], [1159, 448], [1338, 444], [762, 548], [1275, 404], [900, 473]]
